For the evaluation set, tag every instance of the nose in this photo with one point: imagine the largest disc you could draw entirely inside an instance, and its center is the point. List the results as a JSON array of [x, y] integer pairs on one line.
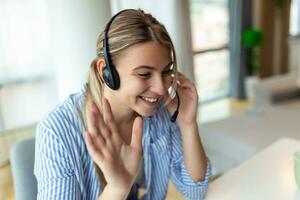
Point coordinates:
[[158, 86]]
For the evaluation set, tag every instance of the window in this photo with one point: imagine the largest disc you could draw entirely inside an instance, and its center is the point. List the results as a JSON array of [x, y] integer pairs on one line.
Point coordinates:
[[26, 91], [210, 35], [23, 38], [294, 18]]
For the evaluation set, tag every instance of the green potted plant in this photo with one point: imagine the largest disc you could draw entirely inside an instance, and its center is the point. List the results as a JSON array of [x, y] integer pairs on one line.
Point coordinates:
[[252, 39]]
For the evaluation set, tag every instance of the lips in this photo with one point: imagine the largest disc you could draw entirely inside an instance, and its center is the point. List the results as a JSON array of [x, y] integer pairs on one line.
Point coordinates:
[[149, 99]]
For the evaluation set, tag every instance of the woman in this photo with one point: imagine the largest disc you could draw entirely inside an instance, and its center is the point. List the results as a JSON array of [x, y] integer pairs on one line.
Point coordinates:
[[115, 135]]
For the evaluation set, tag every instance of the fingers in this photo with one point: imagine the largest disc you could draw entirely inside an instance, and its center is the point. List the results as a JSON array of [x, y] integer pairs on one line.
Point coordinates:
[[186, 87], [137, 133], [95, 124], [107, 113], [184, 82], [116, 140], [181, 79], [108, 116], [92, 119], [95, 152]]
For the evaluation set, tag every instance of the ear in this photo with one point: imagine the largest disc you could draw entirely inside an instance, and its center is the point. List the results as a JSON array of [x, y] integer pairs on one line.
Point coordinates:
[[100, 65]]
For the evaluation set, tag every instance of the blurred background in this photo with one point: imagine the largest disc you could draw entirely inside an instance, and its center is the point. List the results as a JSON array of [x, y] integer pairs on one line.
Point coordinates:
[[243, 55]]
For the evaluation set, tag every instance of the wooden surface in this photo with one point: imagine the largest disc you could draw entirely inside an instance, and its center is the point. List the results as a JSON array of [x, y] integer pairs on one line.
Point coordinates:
[[6, 189]]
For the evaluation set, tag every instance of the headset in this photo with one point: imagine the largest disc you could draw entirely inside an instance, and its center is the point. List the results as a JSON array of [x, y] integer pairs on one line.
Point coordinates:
[[110, 74]]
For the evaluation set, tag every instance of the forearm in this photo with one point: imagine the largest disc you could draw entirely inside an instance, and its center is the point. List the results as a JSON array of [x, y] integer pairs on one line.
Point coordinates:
[[110, 193], [194, 155]]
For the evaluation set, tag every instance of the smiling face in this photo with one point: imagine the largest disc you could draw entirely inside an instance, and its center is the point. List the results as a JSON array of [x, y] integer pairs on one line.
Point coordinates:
[[145, 76]]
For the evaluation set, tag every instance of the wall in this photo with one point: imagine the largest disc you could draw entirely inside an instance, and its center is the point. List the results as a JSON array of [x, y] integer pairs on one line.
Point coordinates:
[[294, 58], [74, 27]]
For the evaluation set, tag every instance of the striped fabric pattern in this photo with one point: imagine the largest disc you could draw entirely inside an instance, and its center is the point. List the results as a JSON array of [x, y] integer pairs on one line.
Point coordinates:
[[64, 169]]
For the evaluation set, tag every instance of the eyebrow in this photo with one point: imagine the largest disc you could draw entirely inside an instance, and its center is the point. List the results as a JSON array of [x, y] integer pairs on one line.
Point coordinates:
[[151, 67]]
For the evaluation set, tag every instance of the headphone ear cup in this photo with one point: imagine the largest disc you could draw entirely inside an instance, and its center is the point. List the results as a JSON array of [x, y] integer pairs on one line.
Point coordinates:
[[111, 77]]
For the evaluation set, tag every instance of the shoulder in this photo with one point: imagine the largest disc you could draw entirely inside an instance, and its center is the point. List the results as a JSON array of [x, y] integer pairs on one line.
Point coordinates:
[[66, 119]]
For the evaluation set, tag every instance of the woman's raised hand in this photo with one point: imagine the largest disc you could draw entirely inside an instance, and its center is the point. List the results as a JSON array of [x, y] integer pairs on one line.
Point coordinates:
[[188, 101], [118, 161]]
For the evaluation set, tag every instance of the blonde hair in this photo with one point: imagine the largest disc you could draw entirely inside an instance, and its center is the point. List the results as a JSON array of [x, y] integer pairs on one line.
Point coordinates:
[[128, 28]]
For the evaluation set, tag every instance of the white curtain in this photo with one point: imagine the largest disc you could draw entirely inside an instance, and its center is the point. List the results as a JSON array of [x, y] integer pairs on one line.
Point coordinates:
[[24, 38], [24, 59], [52, 38]]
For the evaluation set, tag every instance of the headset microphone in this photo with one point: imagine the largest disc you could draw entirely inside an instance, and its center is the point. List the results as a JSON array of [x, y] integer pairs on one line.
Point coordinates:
[[175, 114]]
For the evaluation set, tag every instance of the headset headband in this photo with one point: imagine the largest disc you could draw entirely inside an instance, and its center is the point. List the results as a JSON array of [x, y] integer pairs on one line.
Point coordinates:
[[106, 53]]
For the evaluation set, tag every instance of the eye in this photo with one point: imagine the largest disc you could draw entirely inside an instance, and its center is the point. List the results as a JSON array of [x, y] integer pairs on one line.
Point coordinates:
[[144, 75]]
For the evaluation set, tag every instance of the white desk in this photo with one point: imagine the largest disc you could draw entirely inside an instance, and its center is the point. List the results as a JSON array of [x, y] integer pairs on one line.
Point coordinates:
[[233, 140], [267, 175]]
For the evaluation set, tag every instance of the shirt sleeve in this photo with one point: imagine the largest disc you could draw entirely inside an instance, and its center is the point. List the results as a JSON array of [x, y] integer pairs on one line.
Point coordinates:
[[179, 175], [53, 169]]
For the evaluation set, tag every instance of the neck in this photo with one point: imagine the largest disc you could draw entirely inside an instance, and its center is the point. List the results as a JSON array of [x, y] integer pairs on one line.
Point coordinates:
[[124, 118], [123, 115]]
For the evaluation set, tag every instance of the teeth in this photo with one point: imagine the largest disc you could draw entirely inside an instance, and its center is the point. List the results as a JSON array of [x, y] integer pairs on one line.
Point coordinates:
[[151, 100]]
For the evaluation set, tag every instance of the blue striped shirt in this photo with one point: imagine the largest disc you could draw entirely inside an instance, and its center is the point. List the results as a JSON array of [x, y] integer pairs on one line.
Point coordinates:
[[65, 170]]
